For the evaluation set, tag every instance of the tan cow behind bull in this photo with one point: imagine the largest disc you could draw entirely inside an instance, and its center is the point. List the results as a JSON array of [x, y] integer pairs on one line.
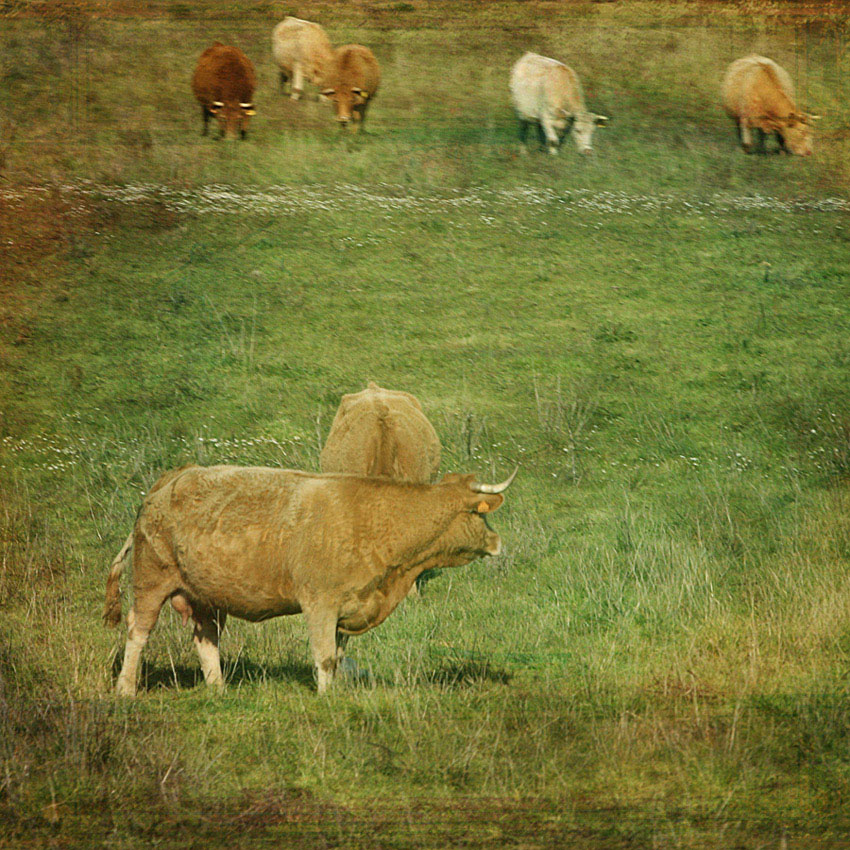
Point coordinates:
[[547, 94], [382, 432], [258, 543], [224, 83], [352, 83], [759, 96], [302, 51]]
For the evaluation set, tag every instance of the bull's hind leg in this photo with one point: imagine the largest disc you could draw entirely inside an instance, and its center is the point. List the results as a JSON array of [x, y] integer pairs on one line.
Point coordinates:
[[208, 628], [746, 137], [141, 619], [321, 626], [284, 79], [153, 583]]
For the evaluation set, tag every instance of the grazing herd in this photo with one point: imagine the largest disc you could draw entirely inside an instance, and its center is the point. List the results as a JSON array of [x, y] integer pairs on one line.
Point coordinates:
[[546, 94], [344, 547]]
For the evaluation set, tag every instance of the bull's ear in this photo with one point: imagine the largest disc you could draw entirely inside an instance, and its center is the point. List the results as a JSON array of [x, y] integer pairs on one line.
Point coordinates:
[[601, 120], [482, 503], [362, 93]]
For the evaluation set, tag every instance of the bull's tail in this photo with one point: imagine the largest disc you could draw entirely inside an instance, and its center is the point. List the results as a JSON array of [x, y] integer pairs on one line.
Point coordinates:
[[112, 608]]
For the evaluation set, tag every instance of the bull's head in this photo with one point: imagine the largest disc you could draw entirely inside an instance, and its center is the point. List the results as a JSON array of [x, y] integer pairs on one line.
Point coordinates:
[[581, 126], [348, 102], [233, 118], [795, 130], [469, 536]]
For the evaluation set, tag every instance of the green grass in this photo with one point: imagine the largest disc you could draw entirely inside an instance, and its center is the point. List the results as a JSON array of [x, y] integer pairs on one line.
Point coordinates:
[[658, 336]]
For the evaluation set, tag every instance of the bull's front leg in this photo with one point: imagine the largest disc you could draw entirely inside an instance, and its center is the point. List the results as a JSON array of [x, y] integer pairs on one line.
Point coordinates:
[[746, 137], [321, 626], [297, 82], [552, 140]]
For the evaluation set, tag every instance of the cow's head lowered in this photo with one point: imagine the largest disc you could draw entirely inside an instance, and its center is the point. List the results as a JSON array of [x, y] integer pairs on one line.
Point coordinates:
[[580, 125], [348, 101], [794, 129], [233, 117], [468, 535]]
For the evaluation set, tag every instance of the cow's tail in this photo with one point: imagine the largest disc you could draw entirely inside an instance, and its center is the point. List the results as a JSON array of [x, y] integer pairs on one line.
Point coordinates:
[[112, 608], [383, 459]]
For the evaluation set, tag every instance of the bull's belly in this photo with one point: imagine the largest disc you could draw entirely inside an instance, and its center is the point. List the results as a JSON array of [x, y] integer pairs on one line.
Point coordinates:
[[245, 590]]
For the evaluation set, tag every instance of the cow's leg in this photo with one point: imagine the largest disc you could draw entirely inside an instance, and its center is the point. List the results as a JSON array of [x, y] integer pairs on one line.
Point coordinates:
[[321, 626], [746, 137], [205, 116], [552, 140], [284, 79], [760, 141], [141, 619], [297, 82], [208, 627], [523, 134], [781, 142], [341, 642]]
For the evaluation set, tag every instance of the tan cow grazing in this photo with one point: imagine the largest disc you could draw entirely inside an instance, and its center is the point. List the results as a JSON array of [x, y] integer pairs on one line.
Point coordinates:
[[547, 94], [258, 543], [352, 83], [224, 84], [382, 432], [758, 95], [302, 51]]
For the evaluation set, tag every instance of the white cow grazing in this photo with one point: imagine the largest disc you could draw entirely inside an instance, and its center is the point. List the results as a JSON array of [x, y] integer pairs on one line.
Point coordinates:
[[548, 94], [302, 51]]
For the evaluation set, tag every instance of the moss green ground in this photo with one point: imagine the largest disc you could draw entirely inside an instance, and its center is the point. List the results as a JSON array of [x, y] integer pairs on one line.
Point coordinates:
[[658, 335]]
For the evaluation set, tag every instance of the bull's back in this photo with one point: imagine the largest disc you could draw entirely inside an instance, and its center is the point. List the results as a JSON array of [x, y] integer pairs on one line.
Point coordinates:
[[754, 85], [295, 40], [224, 73], [539, 84], [382, 432], [356, 65]]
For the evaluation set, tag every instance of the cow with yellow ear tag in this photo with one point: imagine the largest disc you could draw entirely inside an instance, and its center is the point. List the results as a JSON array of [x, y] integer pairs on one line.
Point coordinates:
[[352, 83]]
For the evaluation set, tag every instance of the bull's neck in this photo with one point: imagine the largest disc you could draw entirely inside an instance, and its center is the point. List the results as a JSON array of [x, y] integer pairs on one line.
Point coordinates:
[[414, 534]]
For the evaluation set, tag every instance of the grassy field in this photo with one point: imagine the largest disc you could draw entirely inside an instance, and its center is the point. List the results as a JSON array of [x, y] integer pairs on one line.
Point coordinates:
[[658, 335]]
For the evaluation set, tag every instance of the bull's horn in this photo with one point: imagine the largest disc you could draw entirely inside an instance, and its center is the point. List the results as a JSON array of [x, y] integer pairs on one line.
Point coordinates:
[[218, 103], [494, 488], [247, 105]]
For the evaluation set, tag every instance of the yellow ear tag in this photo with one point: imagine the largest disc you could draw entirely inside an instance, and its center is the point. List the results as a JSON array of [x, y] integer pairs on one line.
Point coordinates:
[[483, 507]]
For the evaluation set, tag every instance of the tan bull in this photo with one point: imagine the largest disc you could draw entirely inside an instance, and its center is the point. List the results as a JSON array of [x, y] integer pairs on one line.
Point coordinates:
[[303, 52], [382, 432], [352, 84], [258, 543], [759, 96]]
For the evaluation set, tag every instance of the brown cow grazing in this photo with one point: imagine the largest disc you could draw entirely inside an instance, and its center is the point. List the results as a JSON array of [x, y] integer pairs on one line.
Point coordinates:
[[224, 84], [382, 432], [352, 83], [258, 543], [302, 51], [758, 95]]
